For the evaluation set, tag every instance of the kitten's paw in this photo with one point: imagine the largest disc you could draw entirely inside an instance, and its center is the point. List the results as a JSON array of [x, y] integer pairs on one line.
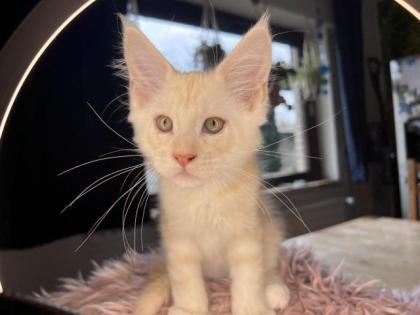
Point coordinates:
[[253, 310], [180, 311], [278, 295], [250, 312]]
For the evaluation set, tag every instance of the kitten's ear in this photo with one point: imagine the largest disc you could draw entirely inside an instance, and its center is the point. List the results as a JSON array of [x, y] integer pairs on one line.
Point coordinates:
[[247, 68], [147, 68]]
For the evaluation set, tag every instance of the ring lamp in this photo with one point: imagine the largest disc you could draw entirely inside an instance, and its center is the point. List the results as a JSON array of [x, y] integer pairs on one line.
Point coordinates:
[[27, 44], [412, 6]]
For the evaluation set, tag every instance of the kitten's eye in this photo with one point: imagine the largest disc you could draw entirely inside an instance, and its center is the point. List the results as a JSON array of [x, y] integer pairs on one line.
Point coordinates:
[[164, 123], [213, 125]]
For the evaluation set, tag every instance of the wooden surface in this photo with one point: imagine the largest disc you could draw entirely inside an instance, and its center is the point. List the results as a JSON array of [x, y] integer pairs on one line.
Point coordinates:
[[413, 191], [386, 249], [383, 248]]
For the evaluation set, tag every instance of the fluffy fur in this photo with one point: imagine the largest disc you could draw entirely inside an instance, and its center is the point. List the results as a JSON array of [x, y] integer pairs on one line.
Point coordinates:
[[113, 289], [214, 220]]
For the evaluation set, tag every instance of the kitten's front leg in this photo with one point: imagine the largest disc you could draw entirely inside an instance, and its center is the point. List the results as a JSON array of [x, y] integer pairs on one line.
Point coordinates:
[[277, 292], [185, 276], [247, 273]]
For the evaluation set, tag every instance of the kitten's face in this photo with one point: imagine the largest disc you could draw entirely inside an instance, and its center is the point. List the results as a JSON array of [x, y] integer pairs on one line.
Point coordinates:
[[197, 128]]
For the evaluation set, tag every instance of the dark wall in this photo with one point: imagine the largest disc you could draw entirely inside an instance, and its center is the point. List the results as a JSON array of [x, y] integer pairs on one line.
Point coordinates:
[[400, 31], [11, 14], [51, 129]]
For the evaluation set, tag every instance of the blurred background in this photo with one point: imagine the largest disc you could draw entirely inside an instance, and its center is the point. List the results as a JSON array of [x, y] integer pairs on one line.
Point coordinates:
[[341, 140]]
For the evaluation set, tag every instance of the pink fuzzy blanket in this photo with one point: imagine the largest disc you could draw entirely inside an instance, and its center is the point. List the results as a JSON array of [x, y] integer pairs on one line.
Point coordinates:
[[114, 288]]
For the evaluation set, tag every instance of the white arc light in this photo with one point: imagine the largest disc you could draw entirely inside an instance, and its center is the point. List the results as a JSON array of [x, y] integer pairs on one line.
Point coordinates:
[[35, 59], [410, 7]]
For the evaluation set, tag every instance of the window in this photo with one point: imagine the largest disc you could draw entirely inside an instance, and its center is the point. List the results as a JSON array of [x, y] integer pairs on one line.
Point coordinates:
[[284, 155]]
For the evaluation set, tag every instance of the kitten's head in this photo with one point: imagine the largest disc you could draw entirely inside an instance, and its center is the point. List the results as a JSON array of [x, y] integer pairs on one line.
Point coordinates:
[[198, 127]]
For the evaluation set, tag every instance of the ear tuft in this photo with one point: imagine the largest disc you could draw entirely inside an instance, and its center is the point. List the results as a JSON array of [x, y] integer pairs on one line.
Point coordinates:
[[246, 70], [147, 68], [125, 22], [264, 21]]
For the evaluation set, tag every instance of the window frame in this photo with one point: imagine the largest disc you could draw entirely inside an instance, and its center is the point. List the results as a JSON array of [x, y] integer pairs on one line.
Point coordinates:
[[186, 13]]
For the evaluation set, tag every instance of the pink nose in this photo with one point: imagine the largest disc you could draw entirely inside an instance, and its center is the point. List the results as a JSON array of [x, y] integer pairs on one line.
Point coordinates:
[[184, 159]]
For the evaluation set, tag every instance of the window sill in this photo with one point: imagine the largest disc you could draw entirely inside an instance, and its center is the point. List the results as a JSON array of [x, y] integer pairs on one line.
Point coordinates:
[[303, 185]]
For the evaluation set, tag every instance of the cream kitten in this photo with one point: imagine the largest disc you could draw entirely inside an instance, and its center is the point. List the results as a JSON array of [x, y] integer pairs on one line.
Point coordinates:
[[200, 132]]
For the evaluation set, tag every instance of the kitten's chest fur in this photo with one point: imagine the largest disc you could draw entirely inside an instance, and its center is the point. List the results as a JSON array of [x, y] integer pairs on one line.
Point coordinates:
[[210, 219], [210, 230]]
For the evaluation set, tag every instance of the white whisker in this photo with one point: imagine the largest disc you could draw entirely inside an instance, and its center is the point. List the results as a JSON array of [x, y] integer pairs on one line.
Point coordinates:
[[97, 160], [142, 219], [279, 153], [100, 182], [120, 150], [304, 131], [112, 101], [126, 208], [108, 126], [99, 221], [145, 193], [260, 180]]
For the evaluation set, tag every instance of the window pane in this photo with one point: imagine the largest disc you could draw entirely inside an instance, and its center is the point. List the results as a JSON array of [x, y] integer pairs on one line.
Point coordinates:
[[283, 146]]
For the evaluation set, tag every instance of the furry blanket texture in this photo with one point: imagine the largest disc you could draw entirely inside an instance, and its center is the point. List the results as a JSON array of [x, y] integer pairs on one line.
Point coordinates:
[[114, 287]]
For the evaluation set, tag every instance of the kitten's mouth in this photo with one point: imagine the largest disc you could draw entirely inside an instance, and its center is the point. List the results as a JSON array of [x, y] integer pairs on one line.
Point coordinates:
[[184, 174]]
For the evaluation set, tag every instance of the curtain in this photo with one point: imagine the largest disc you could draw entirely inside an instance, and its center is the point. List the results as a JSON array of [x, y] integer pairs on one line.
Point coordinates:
[[349, 33]]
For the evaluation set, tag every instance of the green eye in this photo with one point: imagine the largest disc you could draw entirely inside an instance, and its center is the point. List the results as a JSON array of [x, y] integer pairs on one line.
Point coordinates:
[[164, 123], [213, 125]]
